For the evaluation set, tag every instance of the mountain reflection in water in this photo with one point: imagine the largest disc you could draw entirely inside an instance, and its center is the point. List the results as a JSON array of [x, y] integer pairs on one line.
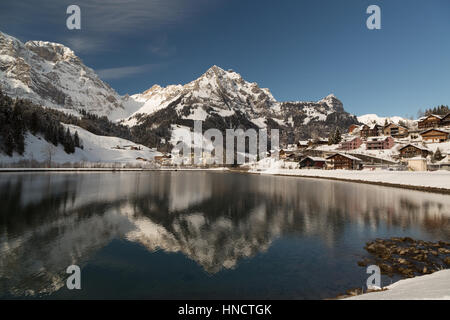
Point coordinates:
[[50, 221]]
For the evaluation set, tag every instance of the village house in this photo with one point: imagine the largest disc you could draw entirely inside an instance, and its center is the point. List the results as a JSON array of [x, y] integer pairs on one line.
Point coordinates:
[[395, 130], [373, 131], [318, 142], [163, 159], [445, 121], [302, 145], [352, 128], [430, 121], [313, 162], [435, 135], [410, 151], [379, 143], [351, 144], [417, 164], [344, 161]]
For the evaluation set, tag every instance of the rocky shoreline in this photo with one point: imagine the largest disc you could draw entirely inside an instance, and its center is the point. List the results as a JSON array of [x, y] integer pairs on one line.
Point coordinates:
[[405, 257]]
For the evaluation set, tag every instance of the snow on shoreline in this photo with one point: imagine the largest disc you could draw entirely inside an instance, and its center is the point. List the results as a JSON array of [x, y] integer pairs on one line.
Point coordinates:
[[430, 179], [435, 286]]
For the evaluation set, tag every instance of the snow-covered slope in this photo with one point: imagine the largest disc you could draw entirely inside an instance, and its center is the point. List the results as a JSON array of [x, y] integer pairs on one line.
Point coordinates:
[[434, 286], [50, 74], [216, 92], [95, 149], [371, 119]]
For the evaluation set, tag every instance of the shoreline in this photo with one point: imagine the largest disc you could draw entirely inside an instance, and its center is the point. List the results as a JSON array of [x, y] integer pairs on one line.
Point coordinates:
[[415, 187], [15, 170], [432, 286], [422, 188], [376, 183]]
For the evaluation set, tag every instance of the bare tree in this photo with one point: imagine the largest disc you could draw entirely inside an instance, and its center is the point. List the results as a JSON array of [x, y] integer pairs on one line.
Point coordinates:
[[49, 151]]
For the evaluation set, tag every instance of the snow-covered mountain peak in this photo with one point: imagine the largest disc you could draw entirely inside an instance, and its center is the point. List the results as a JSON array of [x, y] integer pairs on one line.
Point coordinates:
[[333, 102], [50, 74], [51, 51]]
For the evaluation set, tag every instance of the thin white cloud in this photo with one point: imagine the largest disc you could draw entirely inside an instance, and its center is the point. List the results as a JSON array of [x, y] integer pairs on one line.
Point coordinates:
[[125, 72], [84, 44], [161, 47], [104, 19]]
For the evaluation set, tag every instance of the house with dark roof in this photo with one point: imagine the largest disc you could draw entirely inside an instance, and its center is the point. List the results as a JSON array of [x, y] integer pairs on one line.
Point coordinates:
[[430, 121], [344, 161], [395, 130], [445, 121], [411, 150], [373, 131], [313, 162]]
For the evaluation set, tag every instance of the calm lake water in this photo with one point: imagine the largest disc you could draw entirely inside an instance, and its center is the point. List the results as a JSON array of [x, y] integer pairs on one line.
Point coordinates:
[[188, 235]]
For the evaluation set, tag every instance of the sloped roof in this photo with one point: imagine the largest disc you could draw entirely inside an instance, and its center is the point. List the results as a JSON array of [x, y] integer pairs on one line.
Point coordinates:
[[316, 159], [434, 129], [344, 155], [430, 115], [415, 146]]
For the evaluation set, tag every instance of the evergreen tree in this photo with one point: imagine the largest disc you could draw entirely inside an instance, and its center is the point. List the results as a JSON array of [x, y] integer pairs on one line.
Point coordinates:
[[18, 128], [337, 136], [34, 122], [330, 139], [76, 140], [9, 144], [437, 156], [69, 146]]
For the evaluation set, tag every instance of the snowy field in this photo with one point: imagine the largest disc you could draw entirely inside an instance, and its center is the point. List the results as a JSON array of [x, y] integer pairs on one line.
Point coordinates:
[[95, 149], [435, 179], [434, 286]]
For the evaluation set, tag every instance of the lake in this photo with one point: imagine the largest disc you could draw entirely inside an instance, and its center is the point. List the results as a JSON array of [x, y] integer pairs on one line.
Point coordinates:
[[199, 235]]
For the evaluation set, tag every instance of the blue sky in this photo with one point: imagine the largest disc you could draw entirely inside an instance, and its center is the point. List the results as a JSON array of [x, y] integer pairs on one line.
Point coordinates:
[[300, 50]]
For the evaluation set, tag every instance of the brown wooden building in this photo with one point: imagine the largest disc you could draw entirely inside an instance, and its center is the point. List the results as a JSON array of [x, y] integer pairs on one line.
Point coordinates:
[[344, 161], [431, 121], [410, 151], [373, 131], [445, 121], [395, 130], [313, 162], [435, 135]]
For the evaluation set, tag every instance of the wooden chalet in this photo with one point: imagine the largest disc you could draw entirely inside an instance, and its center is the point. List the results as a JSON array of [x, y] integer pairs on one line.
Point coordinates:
[[313, 162], [410, 151], [373, 131], [435, 135], [430, 121], [445, 121], [395, 130], [344, 161]]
